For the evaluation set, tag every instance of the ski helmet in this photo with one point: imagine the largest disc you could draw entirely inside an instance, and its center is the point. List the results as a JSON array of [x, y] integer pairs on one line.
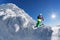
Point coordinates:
[[40, 14]]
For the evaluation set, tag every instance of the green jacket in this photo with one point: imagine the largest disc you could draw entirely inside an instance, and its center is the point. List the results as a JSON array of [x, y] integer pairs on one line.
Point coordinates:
[[39, 20]]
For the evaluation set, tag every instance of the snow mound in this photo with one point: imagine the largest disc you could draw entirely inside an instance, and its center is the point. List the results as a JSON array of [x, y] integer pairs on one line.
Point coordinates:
[[16, 24]]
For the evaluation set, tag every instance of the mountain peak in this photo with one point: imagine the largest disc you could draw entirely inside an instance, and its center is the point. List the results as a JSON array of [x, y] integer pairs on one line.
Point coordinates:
[[11, 10], [12, 13]]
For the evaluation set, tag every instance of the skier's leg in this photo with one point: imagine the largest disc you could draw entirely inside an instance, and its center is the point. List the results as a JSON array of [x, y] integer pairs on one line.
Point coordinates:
[[38, 23]]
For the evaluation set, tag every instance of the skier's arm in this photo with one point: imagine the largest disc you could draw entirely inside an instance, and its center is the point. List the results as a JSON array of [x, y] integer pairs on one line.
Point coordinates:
[[42, 19]]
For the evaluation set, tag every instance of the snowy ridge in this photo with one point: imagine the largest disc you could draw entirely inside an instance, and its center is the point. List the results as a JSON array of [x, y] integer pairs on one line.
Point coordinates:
[[11, 10], [16, 24]]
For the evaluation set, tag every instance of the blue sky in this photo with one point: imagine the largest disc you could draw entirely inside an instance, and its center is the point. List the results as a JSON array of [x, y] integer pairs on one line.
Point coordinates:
[[35, 7]]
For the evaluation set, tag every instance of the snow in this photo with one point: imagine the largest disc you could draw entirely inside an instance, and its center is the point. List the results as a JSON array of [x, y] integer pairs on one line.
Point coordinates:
[[9, 13], [1, 13], [55, 34], [55, 29], [16, 24], [16, 27]]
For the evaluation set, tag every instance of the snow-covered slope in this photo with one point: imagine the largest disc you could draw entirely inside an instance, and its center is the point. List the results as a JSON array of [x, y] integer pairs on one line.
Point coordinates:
[[16, 24], [11, 14], [56, 32]]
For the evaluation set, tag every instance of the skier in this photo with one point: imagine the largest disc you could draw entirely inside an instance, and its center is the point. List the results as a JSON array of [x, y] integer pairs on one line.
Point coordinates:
[[39, 20]]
